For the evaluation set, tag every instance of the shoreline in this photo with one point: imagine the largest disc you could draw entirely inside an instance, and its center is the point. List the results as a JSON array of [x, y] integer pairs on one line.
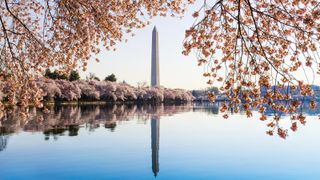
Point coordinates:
[[63, 103]]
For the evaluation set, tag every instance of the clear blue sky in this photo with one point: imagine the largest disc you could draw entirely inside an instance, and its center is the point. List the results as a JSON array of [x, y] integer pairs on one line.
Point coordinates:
[[132, 60]]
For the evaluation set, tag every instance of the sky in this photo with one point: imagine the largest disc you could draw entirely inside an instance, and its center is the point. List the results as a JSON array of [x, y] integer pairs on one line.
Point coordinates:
[[131, 61]]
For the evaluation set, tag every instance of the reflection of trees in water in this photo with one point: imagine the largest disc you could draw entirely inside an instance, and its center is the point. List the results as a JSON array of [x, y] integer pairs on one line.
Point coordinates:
[[273, 119], [3, 141], [110, 125], [303, 109], [72, 130], [213, 108], [210, 108], [67, 120]]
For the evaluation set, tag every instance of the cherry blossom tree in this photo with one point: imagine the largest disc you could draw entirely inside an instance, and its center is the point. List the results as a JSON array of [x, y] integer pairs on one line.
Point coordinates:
[[169, 95], [69, 90], [154, 94], [91, 90], [49, 88], [106, 89], [88, 92], [36, 35], [247, 46], [140, 93]]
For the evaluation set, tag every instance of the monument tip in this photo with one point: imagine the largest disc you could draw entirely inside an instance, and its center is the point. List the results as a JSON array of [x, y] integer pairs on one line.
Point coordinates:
[[155, 174], [155, 28]]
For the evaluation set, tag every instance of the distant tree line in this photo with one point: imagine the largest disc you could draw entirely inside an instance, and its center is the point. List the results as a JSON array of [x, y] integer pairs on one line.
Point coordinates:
[[202, 95], [111, 78], [93, 90], [74, 76]]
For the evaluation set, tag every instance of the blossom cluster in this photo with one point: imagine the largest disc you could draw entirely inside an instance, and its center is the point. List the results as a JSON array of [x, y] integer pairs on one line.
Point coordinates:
[[246, 46], [92, 90], [36, 35]]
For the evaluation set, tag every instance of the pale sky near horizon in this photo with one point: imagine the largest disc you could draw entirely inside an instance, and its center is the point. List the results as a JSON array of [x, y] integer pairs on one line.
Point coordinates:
[[132, 60]]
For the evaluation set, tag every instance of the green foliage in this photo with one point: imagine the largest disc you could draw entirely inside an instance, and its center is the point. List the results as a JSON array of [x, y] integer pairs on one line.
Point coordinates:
[[111, 78], [96, 78], [48, 73], [213, 89], [55, 75], [74, 75], [5, 99], [110, 126]]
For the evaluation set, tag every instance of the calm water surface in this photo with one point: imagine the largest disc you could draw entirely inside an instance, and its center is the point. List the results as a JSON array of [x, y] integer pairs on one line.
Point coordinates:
[[153, 142]]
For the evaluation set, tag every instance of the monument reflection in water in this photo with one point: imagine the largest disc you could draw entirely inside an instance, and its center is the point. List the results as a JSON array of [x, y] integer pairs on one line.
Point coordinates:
[[68, 120], [155, 135], [20, 157]]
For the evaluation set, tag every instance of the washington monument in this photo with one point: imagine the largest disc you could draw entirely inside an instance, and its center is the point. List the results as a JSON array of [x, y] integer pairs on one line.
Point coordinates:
[[155, 121], [155, 79]]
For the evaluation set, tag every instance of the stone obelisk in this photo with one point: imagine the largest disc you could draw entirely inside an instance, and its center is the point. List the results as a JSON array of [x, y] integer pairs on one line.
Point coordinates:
[[155, 80]]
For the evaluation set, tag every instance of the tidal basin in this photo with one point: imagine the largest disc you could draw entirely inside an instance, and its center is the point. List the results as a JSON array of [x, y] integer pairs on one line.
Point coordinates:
[[186, 141]]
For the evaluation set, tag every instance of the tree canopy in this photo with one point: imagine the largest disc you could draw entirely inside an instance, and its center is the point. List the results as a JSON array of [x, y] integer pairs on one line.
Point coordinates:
[[36, 35], [55, 74], [245, 45], [74, 75], [111, 78], [248, 45]]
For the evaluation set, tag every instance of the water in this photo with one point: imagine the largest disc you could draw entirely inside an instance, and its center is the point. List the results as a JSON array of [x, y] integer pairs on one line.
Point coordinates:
[[148, 142]]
